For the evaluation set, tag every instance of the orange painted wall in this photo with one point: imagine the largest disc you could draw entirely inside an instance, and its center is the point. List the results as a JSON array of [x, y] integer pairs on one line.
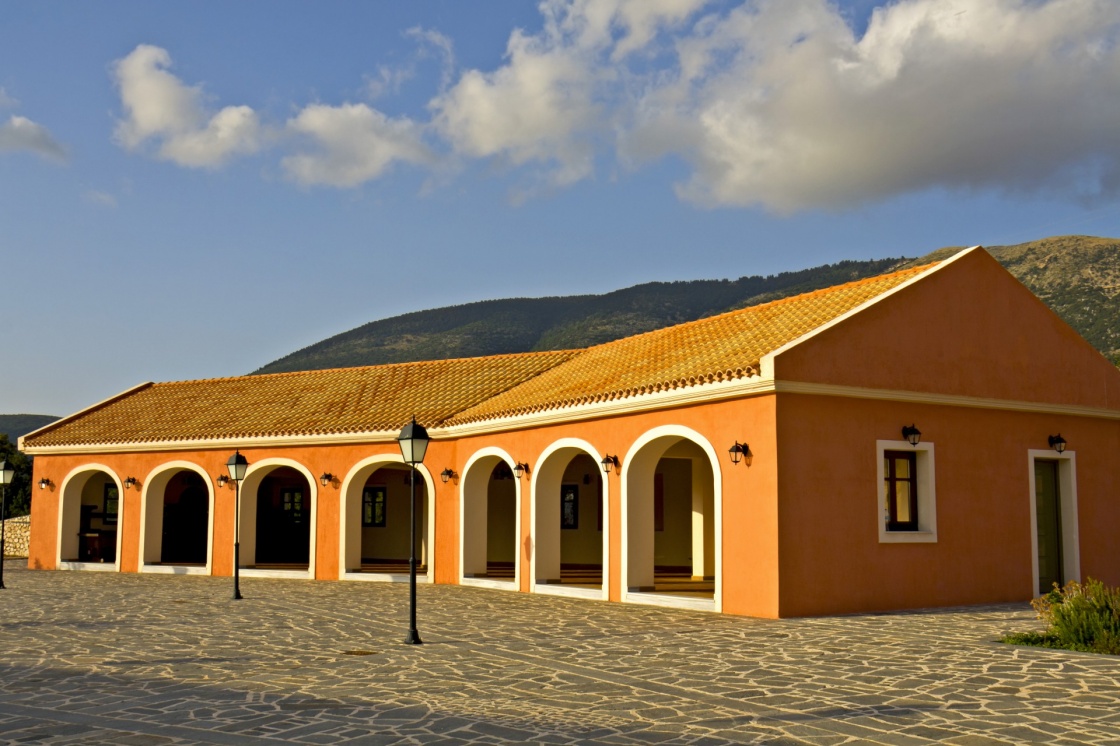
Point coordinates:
[[337, 460], [831, 559], [750, 557], [969, 329]]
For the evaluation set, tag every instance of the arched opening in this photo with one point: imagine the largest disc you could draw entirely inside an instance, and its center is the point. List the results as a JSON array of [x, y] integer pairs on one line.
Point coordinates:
[[177, 519], [569, 522], [671, 521], [89, 520], [376, 518], [490, 520], [277, 518]]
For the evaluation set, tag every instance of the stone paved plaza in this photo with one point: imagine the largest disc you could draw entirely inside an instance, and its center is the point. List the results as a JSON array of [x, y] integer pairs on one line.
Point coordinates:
[[149, 659]]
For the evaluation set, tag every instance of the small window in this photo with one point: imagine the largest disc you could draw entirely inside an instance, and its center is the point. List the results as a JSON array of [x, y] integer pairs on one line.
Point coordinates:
[[292, 501], [111, 504], [906, 510], [373, 507], [900, 470], [569, 506]]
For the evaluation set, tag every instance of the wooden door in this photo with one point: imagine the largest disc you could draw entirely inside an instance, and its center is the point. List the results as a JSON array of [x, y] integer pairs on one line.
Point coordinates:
[[1048, 513]]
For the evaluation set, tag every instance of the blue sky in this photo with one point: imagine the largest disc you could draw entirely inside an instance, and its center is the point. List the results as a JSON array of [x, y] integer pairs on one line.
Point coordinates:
[[193, 190]]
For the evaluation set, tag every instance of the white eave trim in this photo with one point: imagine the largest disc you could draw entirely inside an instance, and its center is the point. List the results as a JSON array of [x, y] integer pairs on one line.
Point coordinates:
[[945, 400], [201, 444], [766, 364]]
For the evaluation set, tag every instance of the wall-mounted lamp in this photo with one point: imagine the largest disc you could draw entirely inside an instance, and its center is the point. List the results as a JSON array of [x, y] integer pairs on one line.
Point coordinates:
[[130, 482], [741, 452], [1058, 443], [609, 462], [326, 478], [912, 434], [44, 483], [520, 469], [223, 480], [447, 474]]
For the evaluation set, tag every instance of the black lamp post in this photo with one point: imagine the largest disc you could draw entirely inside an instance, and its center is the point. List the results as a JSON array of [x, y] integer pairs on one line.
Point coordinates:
[[237, 465], [6, 474], [413, 441]]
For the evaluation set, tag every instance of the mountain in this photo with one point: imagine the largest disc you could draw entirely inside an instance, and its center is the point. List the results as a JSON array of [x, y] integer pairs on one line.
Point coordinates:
[[494, 327], [1078, 276], [15, 425]]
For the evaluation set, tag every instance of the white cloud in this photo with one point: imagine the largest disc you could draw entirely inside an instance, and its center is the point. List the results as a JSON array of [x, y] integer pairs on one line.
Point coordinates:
[[429, 44], [431, 40], [160, 108], [6, 101], [778, 103], [20, 133], [388, 80], [96, 197], [770, 103], [353, 143], [549, 102]]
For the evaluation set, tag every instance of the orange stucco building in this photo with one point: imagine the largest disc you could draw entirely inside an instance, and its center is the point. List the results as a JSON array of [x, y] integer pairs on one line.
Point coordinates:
[[935, 436]]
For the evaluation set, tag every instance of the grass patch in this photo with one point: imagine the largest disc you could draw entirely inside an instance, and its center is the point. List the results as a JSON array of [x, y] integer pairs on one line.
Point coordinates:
[[1079, 616]]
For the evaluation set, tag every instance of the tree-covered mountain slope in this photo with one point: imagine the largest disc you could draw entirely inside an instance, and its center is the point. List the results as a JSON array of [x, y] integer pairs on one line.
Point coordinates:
[[1078, 276]]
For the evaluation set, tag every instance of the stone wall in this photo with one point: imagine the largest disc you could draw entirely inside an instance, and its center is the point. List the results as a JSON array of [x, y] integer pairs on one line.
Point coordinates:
[[17, 534]]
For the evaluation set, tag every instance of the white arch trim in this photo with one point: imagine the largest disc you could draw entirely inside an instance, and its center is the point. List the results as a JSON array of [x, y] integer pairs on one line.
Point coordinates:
[[556, 590], [678, 431], [67, 483], [357, 470], [146, 514], [258, 471], [479, 455]]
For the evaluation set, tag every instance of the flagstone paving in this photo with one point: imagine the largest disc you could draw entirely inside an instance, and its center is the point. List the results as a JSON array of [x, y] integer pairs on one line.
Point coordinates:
[[94, 658]]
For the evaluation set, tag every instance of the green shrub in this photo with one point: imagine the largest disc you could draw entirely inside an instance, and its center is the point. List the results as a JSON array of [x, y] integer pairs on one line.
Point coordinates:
[[1080, 616]]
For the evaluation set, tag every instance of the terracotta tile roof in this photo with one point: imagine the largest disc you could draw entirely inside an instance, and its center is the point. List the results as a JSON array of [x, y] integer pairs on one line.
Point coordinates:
[[449, 392], [346, 400], [718, 348]]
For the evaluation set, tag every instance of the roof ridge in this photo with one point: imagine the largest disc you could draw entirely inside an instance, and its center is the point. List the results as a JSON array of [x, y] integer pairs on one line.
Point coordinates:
[[401, 364], [576, 354]]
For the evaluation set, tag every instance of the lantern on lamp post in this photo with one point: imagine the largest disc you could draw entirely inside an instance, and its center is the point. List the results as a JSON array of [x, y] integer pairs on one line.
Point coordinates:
[[413, 441], [237, 466], [7, 473]]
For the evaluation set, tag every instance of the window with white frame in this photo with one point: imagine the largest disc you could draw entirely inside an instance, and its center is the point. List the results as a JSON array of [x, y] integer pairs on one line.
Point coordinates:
[[907, 506]]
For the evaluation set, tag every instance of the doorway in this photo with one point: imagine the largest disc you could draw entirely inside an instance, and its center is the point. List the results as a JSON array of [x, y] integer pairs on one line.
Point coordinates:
[[1048, 525]]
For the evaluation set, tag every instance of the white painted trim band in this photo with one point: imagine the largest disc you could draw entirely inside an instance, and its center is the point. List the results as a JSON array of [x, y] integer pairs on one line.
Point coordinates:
[[88, 566], [949, 400], [501, 585], [672, 602], [384, 577], [175, 569], [249, 572]]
